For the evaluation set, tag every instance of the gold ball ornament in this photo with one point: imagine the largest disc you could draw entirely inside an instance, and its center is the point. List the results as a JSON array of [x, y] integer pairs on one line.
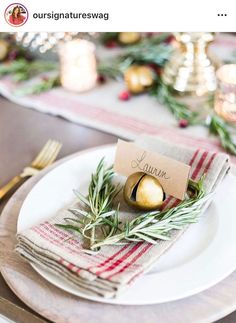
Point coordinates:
[[138, 79], [4, 47], [143, 192], [127, 38]]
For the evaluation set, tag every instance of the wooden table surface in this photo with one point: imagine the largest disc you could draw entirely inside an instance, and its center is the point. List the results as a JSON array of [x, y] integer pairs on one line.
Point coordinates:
[[22, 133]]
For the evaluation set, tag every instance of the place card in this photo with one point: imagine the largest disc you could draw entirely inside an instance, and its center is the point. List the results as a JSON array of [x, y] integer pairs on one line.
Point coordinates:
[[172, 174]]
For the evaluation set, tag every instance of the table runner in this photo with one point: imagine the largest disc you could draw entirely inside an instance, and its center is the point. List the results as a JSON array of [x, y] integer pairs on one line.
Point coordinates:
[[101, 109]]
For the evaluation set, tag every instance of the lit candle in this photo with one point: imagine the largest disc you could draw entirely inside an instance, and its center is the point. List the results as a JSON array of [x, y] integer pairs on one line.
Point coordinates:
[[225, 99], [78, 65]]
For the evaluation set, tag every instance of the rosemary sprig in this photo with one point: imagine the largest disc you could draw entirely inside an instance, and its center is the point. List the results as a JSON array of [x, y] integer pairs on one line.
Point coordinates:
[[114, 68], [98, 215], [154, 226], [45, 84], [98, 212], [146, 52], [218, 127], [180, 110], [22, 69]]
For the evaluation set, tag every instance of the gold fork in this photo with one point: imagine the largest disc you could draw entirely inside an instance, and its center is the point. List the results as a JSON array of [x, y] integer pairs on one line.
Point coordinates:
[[46, 157]]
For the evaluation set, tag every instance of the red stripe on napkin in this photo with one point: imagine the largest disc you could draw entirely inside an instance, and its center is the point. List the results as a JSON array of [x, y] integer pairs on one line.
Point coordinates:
[[120, 260], [197, 170], [127, 265], [199, 166], [210, 162], [50, 235], [112, 257]]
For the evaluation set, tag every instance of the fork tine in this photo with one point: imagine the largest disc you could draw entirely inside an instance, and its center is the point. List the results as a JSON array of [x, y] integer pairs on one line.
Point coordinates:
[[40, 155], [50, 155], [54, 155], [46, 155]]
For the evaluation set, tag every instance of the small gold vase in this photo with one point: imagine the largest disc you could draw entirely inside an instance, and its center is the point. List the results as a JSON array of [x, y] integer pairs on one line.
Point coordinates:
[[191, 71]]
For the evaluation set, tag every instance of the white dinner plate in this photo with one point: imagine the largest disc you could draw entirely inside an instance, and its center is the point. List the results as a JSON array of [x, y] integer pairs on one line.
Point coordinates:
[[204, 255]]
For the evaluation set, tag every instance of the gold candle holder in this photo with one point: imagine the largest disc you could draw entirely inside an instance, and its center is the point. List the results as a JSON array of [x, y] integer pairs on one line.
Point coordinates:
[[191, 71], [225, 98], [78, 65]]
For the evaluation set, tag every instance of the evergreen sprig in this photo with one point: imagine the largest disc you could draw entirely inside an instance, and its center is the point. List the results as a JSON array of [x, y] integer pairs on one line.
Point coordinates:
[[44, 84], [22, 69], [218, 127], [146, 52], [98, 214], [180, 110]]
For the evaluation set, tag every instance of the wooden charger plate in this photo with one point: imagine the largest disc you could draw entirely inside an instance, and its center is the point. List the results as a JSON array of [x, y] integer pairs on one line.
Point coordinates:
[[57, 305]]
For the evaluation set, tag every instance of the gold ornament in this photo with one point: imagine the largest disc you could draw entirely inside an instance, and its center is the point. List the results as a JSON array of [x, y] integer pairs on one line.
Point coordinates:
[[143, 191], [138, 78], [4, 47], [129, 38]]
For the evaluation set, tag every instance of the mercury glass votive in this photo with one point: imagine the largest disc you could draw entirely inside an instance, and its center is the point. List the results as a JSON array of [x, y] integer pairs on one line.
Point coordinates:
[[78, 65], [225, 98], [191, 70]]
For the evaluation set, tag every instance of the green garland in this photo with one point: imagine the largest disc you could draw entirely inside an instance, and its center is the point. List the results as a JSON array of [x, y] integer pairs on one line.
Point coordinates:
[[45, 84], [22, 69], [220, 128], [149, 51]]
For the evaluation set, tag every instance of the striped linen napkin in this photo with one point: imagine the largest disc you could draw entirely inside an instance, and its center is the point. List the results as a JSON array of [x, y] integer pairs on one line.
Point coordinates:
[[115, 267]]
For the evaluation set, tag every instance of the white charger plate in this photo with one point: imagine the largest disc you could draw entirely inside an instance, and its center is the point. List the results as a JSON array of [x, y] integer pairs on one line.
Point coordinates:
[[203, 256]]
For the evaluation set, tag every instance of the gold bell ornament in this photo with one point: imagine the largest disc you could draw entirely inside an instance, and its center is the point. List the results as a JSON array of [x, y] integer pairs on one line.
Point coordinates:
[[128, 38], [138, 78], [143, 192]]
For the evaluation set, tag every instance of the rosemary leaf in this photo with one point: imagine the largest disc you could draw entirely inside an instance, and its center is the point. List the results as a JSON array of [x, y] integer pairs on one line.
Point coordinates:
[[218, 127]]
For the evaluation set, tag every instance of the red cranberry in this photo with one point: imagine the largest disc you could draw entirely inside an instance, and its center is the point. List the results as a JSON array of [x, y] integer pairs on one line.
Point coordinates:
[[183, 123], [124, 95], [111, 44], [101, 79]]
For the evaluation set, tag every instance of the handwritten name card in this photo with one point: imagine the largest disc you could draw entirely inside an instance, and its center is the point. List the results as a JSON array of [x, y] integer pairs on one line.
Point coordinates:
[[172, 174]]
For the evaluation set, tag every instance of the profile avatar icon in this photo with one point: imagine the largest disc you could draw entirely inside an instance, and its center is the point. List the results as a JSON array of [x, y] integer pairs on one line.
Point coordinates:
[[16, 15]]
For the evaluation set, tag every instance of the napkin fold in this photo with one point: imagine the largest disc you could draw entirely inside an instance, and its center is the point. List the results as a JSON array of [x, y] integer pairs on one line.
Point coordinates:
[[115, 267]]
